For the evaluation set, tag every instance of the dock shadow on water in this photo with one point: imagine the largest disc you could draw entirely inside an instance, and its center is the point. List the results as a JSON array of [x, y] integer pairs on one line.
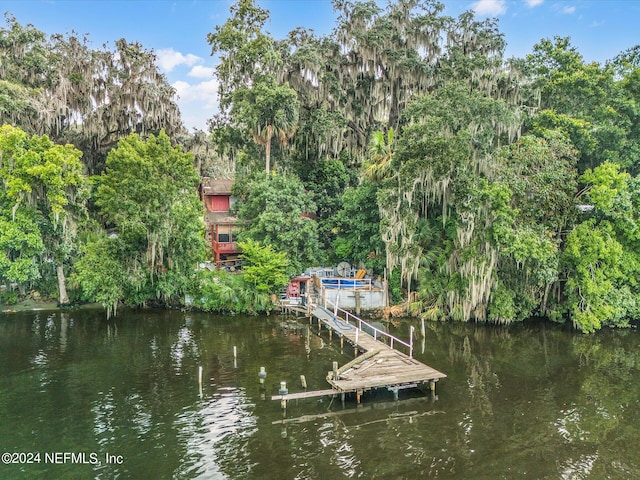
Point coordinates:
[[122, 399]]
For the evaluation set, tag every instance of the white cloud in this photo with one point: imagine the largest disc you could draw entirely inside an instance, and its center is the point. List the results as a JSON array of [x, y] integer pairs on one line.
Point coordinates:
[[201, 72], [568, 10], [168, 59], [198, 102], [534, 3], [203, 92], [489, 7]]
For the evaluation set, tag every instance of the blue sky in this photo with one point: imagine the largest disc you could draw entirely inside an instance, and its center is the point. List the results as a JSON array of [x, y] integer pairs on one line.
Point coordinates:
[[176, 30]]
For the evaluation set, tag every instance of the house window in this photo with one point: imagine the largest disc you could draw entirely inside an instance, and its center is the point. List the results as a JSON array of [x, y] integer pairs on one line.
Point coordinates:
[[223, 233]]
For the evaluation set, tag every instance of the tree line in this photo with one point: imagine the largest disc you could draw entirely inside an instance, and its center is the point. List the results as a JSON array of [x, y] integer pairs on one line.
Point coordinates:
[[492, 189]]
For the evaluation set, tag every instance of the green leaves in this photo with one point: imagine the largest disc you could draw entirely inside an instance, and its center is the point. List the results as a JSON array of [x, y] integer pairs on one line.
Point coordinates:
[[607, 185], [593, 256], [264, 268], [101, 273], [43, 193], [269, 110], [61, 87], [148, 193], [272, 214]]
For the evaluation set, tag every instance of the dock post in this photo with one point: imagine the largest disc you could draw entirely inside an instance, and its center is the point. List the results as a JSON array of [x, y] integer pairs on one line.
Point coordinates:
[[303, 382], [355, 347], [357, 295], [330, 334], [284, 391], [341, 342], [395, 393], [358, 395], [432, 386], [335, 370]]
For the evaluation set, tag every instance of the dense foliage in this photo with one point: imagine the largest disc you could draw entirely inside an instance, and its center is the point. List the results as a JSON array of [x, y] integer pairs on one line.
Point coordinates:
[[147, 195], [272, 212], [490, 190]]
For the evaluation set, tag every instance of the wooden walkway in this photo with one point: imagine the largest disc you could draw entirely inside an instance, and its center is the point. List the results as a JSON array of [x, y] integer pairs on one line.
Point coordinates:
[[380, 365]]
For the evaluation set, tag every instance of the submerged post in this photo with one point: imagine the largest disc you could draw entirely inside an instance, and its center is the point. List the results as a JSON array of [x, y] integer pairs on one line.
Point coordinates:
[[200, 380]]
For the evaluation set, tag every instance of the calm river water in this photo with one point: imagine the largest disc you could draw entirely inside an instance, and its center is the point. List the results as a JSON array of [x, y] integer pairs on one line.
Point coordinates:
[[82, 397]]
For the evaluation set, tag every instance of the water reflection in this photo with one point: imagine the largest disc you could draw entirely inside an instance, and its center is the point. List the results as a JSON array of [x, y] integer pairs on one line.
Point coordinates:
[[184, 346], [529, 401]]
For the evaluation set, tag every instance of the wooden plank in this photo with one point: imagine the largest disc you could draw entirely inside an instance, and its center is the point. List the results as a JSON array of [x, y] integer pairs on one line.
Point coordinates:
[[381, 405], [295, 396]]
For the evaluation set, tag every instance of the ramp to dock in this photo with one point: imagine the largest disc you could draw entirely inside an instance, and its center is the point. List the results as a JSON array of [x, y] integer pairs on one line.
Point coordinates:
[[380, 365]]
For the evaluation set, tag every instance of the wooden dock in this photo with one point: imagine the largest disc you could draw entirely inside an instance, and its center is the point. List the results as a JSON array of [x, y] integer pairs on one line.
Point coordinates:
[[379, 365]]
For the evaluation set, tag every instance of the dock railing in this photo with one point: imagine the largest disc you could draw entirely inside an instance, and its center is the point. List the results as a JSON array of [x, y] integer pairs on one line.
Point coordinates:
[[347, 283], [358, 322]]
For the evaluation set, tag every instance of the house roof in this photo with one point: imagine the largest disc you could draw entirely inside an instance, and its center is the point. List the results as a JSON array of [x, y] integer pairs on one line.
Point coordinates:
[[211, 186]]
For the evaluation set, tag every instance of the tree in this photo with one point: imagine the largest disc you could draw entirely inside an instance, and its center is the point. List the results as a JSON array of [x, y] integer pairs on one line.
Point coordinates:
[[357, 227], [272, 213], [542, 178], [601, 254], [268, 110], [45, 181], [20, 247], [148, 196], [585, 101], [380, 155], [74, 94], [440, 170], [101, 272], [263, 267]]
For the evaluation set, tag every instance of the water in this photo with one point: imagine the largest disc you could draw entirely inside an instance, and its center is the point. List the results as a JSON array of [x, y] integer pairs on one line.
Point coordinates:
[[120, 399]]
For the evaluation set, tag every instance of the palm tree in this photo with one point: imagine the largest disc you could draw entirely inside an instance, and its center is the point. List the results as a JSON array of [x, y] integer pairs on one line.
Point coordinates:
[[273, 111], [380, 154]]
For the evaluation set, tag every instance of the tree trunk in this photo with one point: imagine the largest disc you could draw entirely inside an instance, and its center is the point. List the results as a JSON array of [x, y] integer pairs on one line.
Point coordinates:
[[267, 149], [62, 287]]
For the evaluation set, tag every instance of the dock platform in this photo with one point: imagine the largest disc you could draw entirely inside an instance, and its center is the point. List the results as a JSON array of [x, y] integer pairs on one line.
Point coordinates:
[[378, 364]]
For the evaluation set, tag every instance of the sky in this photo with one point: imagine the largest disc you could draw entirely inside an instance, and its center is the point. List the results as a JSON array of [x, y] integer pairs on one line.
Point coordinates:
[[176, 30]]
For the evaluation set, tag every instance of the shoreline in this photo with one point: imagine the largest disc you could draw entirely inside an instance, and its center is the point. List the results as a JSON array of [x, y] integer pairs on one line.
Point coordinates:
[[31, 305]]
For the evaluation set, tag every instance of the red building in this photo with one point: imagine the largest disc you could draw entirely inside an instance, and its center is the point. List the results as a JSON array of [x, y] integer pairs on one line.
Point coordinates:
[[220, 224]]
